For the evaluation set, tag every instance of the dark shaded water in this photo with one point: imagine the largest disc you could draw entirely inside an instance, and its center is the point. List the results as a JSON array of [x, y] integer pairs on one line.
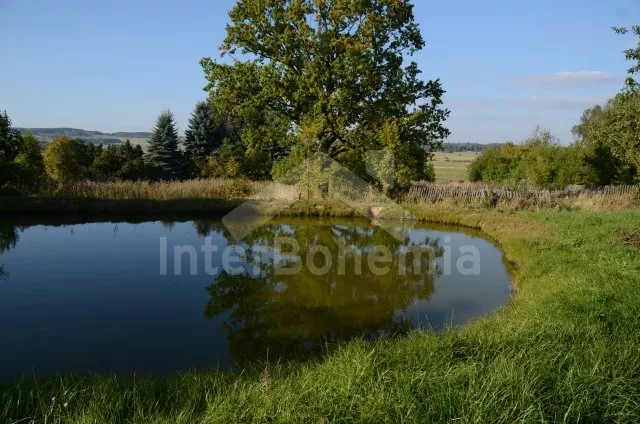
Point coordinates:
[[105, 297]]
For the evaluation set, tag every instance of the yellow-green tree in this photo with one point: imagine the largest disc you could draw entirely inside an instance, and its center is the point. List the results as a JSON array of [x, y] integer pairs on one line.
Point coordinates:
[[28, 161], [60, 162], [333, 73]]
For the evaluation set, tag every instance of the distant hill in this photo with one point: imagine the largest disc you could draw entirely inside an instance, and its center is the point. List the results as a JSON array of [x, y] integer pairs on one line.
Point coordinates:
[[131, 134], [45, 135], [467, 147]]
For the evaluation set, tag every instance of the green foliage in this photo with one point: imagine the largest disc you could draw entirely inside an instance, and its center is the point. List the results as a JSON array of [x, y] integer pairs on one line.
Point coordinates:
[[257, 164], [610, 136], [20, 157], [108, 163], [9, 138], [119, 162], [539, 160], [238, 102], [134, 169], [28, 162], [495, 164], [204, 135], [85, 153], [327, 74], [225, 163], [61, 162], [163, 157], [284, 170], [408, 161], [632, 55]]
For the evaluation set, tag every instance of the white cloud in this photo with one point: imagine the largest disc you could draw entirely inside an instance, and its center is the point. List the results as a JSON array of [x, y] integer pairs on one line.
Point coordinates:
[[578, 79]]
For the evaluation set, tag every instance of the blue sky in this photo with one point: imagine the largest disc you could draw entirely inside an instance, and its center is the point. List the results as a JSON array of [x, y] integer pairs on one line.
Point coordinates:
[[114, 65]]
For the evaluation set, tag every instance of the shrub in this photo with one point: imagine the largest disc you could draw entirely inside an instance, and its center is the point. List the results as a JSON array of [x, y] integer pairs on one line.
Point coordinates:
[[540, 161], [60, 161]]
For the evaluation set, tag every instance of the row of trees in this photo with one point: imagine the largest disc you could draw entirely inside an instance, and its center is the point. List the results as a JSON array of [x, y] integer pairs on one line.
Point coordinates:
[[66, 160], [24, 164], [306, 76], [606, 151], [315, 76]]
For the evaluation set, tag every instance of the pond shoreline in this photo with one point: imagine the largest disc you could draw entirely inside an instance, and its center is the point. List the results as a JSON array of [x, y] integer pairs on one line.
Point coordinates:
[[411, 294], [94, 209], [565, 348]]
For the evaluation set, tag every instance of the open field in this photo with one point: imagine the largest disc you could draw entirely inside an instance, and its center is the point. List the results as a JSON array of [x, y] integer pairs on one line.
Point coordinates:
[[565, 349], [452, 166]]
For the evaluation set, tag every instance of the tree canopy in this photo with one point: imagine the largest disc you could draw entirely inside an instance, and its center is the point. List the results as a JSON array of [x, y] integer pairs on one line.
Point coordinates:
[[632, 54], [611, 133], [331, 75], [61, 161], [20, 156]]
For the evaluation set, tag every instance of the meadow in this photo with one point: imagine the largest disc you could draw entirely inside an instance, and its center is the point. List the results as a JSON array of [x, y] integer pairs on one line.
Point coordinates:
[[452, 166]]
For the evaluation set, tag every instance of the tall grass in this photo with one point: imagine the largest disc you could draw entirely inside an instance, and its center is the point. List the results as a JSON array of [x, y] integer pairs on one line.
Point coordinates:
[[564, 350], [357, 194], [505, 197], [232, 189], [223, 189]]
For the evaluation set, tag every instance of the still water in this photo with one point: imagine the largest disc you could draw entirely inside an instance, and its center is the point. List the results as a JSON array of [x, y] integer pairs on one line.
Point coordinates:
[[160, 297]]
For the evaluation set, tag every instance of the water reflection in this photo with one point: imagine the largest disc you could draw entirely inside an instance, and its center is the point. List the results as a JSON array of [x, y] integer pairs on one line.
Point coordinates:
[[302, 315], [9, 235], [90, 294]]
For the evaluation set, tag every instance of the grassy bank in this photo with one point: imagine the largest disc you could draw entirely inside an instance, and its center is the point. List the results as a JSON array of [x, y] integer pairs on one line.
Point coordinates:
[[565, 349], [218, 196]]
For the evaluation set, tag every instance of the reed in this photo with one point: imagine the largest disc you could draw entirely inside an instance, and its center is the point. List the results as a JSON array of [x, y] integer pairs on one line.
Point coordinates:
[[516, 198]]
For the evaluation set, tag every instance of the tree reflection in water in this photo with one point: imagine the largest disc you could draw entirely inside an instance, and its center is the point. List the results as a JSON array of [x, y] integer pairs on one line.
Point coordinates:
[[270, 316], [9, 235]]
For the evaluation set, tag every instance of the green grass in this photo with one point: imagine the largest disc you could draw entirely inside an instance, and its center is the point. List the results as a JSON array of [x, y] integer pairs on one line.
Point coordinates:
[[566, 349]]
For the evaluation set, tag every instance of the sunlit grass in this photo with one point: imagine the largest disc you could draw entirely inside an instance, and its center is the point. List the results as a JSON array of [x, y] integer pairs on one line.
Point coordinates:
[[452, 166], [225, 189]]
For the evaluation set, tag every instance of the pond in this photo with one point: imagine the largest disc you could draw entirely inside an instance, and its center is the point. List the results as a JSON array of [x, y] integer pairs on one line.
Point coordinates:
[[159, 297]]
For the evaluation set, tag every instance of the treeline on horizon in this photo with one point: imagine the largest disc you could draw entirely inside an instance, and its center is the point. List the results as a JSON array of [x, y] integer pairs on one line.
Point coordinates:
[[332, 89]]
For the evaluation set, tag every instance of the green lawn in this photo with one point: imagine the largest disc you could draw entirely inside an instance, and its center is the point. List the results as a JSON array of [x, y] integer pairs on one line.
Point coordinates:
[[567, 348]]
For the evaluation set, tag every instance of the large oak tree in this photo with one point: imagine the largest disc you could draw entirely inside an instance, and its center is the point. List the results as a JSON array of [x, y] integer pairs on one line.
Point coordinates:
[[333, 75]]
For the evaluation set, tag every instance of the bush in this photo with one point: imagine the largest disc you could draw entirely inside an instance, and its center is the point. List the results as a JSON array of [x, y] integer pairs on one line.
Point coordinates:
[[540, 161], [61, 162], [225, 163]]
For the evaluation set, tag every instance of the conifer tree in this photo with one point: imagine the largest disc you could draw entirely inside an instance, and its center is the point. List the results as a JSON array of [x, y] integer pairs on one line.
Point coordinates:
[[163, 157], [204, 135]]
